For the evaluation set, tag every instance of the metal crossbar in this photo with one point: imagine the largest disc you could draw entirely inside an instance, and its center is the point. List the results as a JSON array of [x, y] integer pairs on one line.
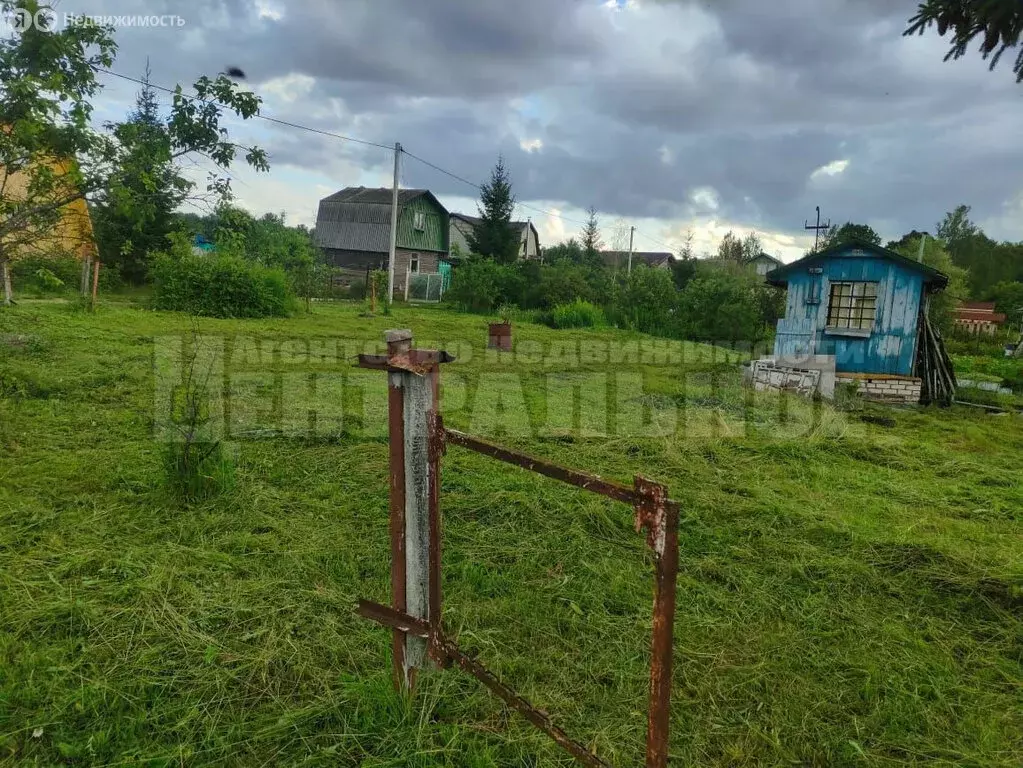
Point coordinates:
[[418, 440]]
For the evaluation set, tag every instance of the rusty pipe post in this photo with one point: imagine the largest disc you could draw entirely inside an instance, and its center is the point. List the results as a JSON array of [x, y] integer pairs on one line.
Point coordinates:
[[659, 516], [415, 515], [398, 343], [95, 281]]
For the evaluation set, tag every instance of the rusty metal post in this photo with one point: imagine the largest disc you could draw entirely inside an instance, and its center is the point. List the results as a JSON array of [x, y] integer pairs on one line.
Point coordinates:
[[95, 281], [397, 345], [415, 514], [659, 516], [436, 447]]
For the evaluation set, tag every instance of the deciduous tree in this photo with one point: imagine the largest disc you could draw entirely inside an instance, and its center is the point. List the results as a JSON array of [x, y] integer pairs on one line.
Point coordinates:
[[51, 156]]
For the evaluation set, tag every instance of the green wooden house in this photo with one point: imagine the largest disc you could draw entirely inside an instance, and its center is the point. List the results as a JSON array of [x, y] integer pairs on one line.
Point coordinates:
[[353, 227]]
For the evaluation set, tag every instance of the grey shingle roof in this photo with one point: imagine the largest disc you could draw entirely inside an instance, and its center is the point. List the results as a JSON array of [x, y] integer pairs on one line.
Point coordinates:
[[474, 220], [373, 195], [359, 218]]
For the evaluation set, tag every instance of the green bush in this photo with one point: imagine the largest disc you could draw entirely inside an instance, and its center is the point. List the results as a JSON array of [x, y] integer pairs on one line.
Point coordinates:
[[219, 286], [483, 285], [548, 286], [46, 274], [578, 314], [48, 281], [727, 305]]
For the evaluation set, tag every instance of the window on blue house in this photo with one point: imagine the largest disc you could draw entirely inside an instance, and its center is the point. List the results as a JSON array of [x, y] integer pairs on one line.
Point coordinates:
[[852, 305]]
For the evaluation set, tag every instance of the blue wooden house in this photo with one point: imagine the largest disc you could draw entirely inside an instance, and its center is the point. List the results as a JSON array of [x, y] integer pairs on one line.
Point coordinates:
[[858, 303]]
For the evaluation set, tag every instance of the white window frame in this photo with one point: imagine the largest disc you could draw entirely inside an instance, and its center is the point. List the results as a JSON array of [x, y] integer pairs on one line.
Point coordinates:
[[857, 305], [413, 265], [419, 221]]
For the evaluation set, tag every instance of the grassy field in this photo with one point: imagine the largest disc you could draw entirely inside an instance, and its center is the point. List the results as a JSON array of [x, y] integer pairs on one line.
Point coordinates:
[[850, 591]]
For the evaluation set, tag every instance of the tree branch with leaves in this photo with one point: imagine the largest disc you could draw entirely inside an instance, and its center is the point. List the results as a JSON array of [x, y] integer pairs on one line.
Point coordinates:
[[51, 155]]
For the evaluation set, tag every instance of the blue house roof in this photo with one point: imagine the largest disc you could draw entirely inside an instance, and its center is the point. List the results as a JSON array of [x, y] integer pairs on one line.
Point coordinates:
[[932, 277]]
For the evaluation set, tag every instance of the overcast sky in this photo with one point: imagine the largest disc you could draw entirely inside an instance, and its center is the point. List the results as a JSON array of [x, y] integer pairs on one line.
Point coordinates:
[[672, 115]]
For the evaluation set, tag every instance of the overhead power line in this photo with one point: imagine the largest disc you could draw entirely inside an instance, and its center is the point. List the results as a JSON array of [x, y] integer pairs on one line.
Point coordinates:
[[269, 119], [365, 142]]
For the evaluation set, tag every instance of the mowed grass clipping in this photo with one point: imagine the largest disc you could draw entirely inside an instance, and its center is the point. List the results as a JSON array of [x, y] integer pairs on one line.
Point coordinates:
[[850, 593]]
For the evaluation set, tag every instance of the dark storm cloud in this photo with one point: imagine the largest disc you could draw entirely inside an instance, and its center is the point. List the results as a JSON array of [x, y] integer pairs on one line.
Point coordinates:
[[636, 109]]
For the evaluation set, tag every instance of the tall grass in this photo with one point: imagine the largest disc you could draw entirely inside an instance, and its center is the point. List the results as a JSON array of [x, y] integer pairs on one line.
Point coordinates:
[[849, 593]]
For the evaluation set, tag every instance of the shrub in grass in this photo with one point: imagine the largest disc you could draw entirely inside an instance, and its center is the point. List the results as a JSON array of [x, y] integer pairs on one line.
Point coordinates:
[[483, 285], [196, 465], [578, 314], [219, 286], [198, 470]]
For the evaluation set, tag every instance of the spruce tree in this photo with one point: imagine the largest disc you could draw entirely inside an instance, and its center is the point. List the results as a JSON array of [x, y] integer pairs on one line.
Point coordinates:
[[494, 236], [591, 239]]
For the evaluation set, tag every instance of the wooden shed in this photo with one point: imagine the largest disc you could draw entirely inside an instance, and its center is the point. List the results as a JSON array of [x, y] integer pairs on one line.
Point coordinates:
[[860, 307]]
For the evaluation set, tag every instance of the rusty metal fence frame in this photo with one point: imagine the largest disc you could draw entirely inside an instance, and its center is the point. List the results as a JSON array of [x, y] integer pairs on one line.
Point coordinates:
[[418, 440]]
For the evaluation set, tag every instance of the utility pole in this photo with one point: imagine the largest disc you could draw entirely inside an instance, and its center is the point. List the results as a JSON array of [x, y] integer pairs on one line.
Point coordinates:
[[817, 229], [632, 232], [394, 224]]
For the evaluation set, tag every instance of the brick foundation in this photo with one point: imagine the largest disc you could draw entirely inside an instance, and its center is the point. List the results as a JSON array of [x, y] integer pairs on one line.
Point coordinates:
[[887, 389]]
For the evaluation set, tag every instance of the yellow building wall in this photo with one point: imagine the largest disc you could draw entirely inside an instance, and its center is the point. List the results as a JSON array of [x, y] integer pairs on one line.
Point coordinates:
[[72, 235]]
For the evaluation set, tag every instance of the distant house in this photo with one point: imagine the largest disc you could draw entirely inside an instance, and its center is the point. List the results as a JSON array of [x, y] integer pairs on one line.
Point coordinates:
[[200, 245], [764, 263], [978, 317], [652, 259], [353, 227], [462, 226], [72, 233]]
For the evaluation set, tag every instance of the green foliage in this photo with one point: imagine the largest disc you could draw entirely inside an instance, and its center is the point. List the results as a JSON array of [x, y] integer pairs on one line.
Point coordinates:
[[942, 304], [993, 366], [578, 314], [26, 271], [987, 261], [569, 251], [547, 286], [1008, 299], [48, 280], [727, 305], [645, 300], [849, 231], [730, 249], [591, 242], [49, 80], [493, 236], [134, 212], [483, 285], [219, 285], [683, 270], [269, 242], [998, 23], [49, 83], [195, 463], [379, 278]]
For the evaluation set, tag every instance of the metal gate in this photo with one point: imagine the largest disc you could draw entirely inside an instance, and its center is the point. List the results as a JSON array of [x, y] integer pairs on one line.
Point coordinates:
[[418, 440]]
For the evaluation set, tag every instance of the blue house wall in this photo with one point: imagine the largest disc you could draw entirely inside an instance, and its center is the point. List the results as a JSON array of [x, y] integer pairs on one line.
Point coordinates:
[[888, 347]]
